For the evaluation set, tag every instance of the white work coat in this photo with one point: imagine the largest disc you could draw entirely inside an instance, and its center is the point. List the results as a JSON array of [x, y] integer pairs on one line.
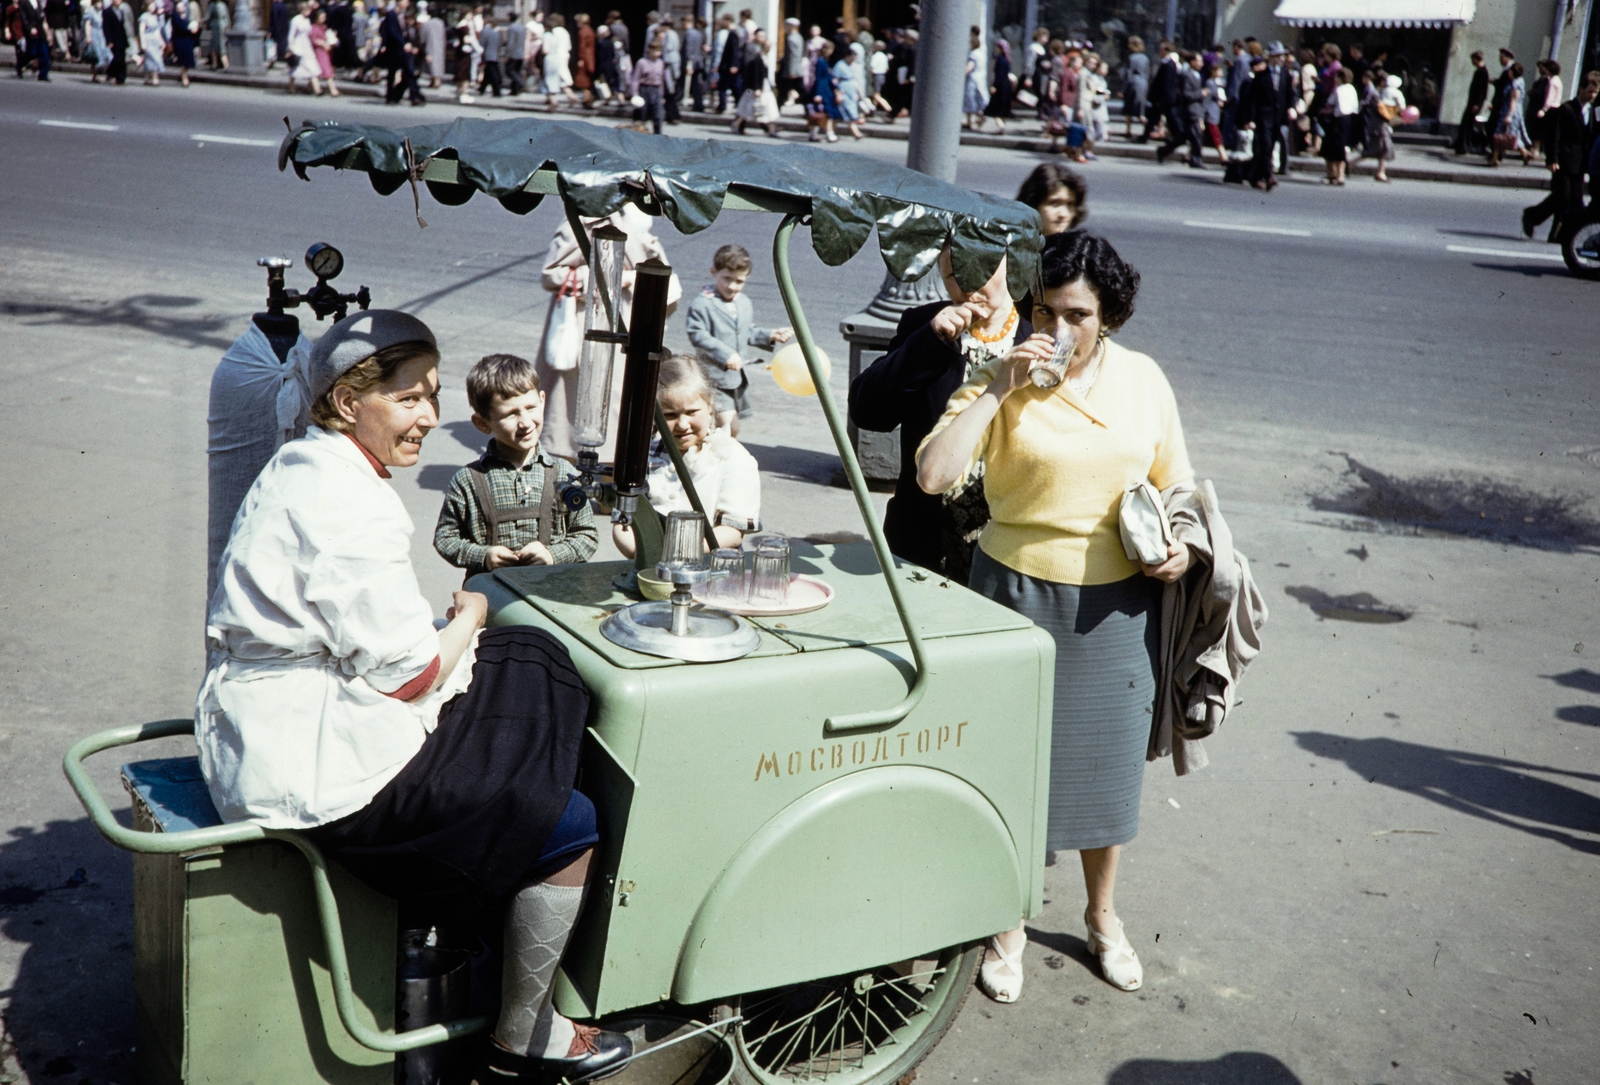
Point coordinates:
[[316, 619]]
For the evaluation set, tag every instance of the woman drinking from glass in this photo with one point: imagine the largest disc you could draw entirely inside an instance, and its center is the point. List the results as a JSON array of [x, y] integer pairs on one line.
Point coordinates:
[[1057, 461]]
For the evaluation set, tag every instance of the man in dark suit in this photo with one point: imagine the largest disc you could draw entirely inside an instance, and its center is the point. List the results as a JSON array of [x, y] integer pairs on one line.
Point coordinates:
[[399, 56], [1188, 113], [1469, 132], [1569, 138], [728, 82], [1502, 86], [278, 30], [908, 387], [1164, 84], [36, 32], [1259, 110], [116, 32], [1286, 85]]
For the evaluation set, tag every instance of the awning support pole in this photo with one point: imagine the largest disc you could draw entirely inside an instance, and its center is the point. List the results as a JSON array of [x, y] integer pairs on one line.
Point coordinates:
[[858, 486]]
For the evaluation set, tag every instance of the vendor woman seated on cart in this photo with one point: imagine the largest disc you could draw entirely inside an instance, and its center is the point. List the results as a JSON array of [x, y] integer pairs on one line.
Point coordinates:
[[437, 765]]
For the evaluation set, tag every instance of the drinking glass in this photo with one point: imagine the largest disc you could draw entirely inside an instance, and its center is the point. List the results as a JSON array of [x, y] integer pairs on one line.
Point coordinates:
[[769, 583], [727, 588], [682, 543], [1053, 372]]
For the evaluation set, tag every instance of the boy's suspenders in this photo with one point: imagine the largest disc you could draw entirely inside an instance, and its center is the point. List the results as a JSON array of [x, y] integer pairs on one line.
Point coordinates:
[[494, 515]]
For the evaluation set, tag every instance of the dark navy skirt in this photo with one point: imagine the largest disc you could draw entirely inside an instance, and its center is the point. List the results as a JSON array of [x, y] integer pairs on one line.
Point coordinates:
[[487, 803], [1106, 639]]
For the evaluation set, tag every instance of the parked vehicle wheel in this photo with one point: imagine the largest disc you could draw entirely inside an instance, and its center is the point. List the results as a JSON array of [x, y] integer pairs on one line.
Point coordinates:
[[1580, 247], [866, 1028]]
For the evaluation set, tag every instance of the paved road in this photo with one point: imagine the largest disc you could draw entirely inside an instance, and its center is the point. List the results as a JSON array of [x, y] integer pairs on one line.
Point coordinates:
[[1387, 874]]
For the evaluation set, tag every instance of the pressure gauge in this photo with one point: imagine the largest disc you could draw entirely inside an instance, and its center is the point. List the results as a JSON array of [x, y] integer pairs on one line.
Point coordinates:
[[324, 261]]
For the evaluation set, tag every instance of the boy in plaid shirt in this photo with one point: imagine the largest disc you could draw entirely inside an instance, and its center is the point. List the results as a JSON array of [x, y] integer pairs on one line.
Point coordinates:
[[506, 508]]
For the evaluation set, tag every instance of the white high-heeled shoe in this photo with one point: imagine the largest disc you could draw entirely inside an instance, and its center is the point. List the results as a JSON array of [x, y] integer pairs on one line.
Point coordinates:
[[1001, 979], [1118, 961]]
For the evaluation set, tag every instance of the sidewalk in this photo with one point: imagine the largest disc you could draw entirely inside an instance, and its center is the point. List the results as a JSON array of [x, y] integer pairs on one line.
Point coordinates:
[[1415, 161]]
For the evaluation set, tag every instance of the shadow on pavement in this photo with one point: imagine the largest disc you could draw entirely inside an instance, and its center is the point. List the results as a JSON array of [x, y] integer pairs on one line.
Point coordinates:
[[1581, 678], [1496, 789], [66, 900], [1531, 271], [422, 301], [1068, 946], [149, 313], [801, 464], [1234, 1068], [1476, 508]]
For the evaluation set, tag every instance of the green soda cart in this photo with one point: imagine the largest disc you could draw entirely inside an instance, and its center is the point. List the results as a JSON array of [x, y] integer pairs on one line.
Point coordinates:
[[804, 843]]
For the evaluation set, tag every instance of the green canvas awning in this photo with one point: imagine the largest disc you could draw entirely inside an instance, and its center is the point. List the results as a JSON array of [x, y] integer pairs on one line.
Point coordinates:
[[690, 182]]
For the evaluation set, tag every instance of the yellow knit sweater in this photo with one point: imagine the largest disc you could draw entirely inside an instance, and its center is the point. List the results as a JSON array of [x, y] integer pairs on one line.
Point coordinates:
[[1056, 465]]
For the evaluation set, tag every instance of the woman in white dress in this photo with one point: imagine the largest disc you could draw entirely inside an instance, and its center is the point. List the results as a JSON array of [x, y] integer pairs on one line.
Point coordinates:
[[152, 42], [975, 96], [558, 61], [759, 103], [302, 55]]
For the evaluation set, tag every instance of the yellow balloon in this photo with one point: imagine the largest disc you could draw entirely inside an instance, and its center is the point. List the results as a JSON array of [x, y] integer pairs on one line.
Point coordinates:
[[788, 368]]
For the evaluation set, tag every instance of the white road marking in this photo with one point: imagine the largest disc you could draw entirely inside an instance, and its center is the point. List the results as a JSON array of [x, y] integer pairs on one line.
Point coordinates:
[[1283, 231], [81, 124], [1525, 255], [235, 140]]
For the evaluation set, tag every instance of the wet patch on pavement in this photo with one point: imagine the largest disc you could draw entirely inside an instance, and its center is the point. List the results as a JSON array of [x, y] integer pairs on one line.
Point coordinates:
[[1360, 607], [1478, 509]]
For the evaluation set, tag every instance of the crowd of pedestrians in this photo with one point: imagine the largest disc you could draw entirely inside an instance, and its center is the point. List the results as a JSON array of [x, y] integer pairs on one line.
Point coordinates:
[[111, 35], [1251, 105]]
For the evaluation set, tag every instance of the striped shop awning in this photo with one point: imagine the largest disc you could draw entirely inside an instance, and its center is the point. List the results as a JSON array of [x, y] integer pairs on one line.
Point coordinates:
[[1437, 14]]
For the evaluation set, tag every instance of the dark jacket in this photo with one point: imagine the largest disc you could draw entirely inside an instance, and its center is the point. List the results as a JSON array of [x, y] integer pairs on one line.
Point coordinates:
[[1164, 84], [1191, 92], [116, 33], [393, 34], [1258, 100], [908, 387], [1286, 84], [1568, 139], [1478, 93], [278, 21]]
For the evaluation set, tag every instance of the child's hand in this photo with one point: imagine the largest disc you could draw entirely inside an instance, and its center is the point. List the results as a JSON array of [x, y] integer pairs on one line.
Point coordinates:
[[783, 335], [499, 557], [734, 363], [535, 553]]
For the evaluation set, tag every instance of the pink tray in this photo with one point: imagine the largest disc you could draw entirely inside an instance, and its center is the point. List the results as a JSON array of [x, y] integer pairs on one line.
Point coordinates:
[[806, 593]]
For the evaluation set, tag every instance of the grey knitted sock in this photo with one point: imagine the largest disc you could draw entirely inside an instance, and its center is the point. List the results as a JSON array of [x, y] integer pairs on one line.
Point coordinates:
[[538, 923]]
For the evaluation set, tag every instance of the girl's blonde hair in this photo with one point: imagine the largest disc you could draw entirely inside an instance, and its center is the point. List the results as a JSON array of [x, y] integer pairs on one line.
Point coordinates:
[[682, 375]]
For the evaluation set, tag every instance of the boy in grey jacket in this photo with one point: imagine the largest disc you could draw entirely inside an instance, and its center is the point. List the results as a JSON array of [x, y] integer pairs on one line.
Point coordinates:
[[721, 323]]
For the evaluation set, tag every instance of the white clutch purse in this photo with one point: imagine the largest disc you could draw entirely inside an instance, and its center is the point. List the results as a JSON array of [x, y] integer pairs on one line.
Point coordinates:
[[1146, 534]]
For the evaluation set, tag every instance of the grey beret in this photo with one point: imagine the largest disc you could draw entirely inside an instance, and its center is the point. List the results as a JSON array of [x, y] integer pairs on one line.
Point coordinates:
[[358, 337]]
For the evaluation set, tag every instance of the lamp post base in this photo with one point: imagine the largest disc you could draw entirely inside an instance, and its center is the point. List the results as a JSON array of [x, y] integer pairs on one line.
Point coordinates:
[[246, 52]]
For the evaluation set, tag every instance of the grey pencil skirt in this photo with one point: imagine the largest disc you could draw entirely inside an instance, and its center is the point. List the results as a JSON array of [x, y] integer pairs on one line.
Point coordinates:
[[1106, 640]]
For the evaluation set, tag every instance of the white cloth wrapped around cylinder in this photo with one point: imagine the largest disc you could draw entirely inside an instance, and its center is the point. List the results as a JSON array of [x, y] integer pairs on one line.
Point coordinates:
[[257, 404]]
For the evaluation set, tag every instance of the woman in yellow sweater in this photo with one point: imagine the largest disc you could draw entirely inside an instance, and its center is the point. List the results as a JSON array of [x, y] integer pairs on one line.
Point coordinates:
[[1056, 462]]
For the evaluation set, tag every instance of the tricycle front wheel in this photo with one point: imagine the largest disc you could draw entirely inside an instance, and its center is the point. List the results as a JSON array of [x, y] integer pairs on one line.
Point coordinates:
[[863, 1028], [1580, 246]]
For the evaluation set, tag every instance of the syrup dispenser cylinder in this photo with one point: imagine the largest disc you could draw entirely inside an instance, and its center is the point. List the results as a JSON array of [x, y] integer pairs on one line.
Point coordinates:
[[640, 377], [602, 334]]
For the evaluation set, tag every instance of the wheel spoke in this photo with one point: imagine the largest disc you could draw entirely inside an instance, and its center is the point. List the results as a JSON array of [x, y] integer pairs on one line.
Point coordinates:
[[799, 1020], [831, 1032]]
